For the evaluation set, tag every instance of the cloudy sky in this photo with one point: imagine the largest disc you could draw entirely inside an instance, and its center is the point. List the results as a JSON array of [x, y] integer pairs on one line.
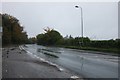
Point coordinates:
[[100, 18]]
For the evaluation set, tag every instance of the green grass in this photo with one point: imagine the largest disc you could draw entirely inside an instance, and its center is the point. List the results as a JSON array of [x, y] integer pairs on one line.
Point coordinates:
[[51, 54], [110, 50], [50, 51]]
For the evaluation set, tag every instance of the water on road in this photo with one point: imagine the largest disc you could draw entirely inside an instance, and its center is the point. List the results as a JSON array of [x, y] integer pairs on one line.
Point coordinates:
[[84, 63]]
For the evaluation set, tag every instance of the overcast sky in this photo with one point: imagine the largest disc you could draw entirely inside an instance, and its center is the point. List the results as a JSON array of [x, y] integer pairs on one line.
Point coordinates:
[[100, 18]]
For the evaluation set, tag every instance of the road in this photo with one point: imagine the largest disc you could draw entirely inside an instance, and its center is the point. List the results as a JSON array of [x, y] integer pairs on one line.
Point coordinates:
[[85, 63], [17, 63]]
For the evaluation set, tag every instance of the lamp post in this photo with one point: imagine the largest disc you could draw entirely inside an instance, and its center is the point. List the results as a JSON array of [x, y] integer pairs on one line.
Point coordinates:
[[81, 23]]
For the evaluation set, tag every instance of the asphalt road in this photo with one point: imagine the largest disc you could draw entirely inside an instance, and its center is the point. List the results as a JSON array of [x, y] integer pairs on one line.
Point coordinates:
[[17, 63], [86, 63]]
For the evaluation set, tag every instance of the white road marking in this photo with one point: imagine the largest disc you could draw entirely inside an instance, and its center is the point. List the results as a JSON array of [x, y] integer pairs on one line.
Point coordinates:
[[21, 76], [61, 69], [20, 47], [52, 64], [6, 70], [74, 77]]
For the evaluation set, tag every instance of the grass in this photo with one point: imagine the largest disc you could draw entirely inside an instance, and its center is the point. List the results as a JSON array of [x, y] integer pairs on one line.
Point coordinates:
[[51, 54], [45, 51], [50, 51], [110, 50]]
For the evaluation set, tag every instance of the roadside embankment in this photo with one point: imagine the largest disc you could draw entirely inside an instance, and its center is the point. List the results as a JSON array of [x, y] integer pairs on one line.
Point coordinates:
[[111, 51]]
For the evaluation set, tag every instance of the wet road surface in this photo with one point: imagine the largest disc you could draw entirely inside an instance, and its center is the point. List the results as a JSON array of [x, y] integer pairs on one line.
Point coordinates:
[[85, 63], [17, 63]]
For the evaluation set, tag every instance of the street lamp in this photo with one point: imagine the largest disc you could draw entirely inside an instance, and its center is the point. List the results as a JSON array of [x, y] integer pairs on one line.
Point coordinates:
[[81, 22]]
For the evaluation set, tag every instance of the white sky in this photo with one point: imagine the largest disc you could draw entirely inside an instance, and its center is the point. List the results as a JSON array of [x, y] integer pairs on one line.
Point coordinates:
[[60, 0], [100, 18]]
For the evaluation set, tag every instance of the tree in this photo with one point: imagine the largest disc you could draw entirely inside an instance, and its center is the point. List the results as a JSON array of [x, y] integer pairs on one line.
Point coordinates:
[[12, 31], [50, 37], [32, 40]]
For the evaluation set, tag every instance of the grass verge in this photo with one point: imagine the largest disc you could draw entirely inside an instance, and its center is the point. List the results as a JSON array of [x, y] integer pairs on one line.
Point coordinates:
[[51, 54], [110, 50]]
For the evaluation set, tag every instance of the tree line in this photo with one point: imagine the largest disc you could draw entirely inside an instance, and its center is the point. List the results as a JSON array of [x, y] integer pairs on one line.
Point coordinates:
[[13, 32], [53, 37], [50, 37]]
